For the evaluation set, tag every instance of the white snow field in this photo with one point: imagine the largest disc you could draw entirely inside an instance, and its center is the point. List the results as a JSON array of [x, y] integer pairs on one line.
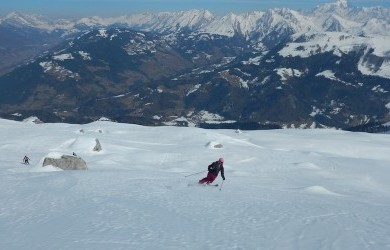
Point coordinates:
[[284, 189]]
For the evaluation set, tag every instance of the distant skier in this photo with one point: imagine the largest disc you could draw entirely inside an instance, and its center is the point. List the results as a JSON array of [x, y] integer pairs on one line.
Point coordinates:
[[26, 160], [74, 154], [214, 169]]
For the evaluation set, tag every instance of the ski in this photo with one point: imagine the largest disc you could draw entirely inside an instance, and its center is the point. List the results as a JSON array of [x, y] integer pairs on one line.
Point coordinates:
[[197, 184]]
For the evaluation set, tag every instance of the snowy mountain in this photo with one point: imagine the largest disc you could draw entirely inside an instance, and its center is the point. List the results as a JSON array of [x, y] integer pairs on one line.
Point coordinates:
[[22, 20], [330, 17], [276, 68], [284, 189], [338, 16]]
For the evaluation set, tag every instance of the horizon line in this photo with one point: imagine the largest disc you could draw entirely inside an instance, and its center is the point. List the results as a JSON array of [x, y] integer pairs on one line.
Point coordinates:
[[169, 11]]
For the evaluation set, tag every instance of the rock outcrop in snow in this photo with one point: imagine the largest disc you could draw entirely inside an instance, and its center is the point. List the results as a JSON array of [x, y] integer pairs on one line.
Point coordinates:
[[213, 144], [33, 119], [66, 162], [98, 146]]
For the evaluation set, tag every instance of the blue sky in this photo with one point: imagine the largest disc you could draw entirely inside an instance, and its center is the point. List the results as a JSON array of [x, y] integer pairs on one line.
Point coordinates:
[[81, 8]]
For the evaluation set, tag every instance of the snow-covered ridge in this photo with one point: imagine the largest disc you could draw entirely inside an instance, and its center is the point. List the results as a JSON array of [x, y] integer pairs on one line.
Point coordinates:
[[338, 16], [308, 44], [23, 20], [18, 19]]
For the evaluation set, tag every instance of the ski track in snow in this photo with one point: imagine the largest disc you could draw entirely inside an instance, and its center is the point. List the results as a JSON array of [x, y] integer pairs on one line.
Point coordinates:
[[284, 189]]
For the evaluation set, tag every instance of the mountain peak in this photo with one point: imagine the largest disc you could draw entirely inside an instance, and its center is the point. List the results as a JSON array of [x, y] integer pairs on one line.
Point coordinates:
[[19, 19], [336, 7], [342, 3]]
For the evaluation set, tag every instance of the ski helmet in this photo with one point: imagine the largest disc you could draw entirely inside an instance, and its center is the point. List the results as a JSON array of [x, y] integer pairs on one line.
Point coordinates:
[[221, 160]]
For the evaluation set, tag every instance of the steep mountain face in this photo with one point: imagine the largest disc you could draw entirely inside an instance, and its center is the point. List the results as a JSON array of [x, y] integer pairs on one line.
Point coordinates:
[[278, 68]]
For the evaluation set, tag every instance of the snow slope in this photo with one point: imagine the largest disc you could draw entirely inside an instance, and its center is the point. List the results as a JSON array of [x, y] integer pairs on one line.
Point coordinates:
[[284, 189]]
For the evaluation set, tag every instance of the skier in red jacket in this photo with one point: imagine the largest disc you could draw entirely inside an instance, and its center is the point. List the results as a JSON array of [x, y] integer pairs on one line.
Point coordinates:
[[213, 169]]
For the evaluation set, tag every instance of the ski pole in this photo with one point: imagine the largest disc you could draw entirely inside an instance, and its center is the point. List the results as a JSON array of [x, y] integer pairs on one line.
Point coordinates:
[[221, 185], [196, 173]]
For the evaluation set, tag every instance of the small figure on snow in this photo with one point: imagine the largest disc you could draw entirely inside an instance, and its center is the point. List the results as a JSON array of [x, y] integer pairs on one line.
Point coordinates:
[[74, 154], [26, 160], [214, 169]]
